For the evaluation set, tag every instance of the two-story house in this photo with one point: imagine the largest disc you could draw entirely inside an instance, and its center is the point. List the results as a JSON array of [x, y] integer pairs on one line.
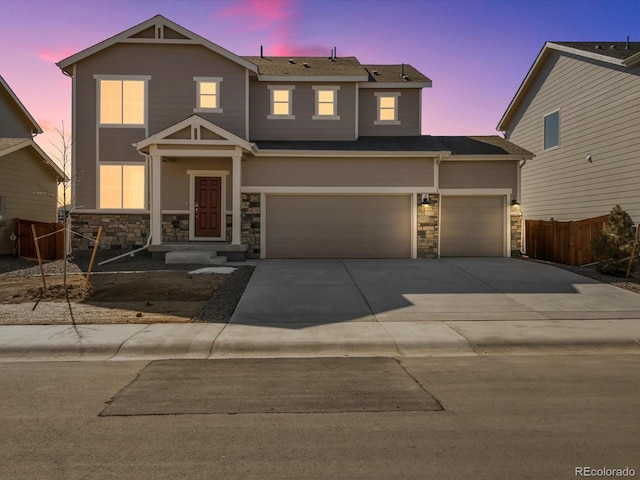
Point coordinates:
[[180, 143], [578, 110], [28, 177]]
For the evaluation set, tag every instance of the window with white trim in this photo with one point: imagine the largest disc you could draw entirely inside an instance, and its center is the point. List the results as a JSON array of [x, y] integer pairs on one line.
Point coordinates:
[[326, 103], [281, 101], [552, 130], [387, 108], [122, 186], [208, 94], [122, 101]]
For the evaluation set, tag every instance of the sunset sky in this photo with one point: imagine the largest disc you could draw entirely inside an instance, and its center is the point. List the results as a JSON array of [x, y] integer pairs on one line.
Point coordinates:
[[476, 51]]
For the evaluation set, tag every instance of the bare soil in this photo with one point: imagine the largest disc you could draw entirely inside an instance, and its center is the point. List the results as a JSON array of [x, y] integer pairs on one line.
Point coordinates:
[[176, 293]]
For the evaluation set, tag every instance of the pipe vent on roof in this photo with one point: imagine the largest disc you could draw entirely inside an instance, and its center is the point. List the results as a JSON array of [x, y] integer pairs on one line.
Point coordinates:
[[375, 72], [612, 47], [598, 47], [306, 65], [292, 61]]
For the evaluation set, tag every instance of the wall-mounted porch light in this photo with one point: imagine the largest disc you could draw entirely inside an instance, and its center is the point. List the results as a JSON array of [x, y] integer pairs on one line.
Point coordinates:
[[425, 199], [514, 202]]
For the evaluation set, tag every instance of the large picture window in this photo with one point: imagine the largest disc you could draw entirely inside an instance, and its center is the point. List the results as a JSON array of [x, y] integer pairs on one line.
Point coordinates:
[[552, 130], [122, 102], [122, 186]]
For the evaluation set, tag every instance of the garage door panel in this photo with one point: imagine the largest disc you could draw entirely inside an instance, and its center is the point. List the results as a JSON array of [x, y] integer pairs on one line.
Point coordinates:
[[338, 226], [472, 226]]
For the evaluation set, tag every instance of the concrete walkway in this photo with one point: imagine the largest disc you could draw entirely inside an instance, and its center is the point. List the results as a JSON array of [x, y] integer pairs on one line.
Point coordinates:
[[371, 308]]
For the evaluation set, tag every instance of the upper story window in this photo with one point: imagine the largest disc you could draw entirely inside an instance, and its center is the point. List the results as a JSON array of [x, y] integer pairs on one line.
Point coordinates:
[[326, 103], [387, 108], [122, 100], [552, 130], [208, 94], [122, 186], [281, 102]]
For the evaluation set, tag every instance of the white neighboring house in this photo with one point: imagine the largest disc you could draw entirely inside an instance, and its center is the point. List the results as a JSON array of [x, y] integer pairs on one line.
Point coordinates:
[[578, 112], [29, 178]]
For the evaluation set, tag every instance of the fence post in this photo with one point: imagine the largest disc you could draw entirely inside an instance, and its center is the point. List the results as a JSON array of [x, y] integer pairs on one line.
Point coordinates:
[[35, 240]]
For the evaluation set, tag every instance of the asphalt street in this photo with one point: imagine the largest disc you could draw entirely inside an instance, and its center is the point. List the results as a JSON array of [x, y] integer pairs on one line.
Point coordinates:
[[482, 417]]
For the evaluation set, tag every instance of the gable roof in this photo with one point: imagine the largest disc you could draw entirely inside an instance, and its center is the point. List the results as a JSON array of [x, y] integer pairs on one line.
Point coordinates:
[[5, 86], [158, 23], [10, 145], [620, 54], [455, 145], [401, 73]]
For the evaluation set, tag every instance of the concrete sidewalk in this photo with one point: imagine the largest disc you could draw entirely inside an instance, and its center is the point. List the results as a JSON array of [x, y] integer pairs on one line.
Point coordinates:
[[465, 306], [410, 339]]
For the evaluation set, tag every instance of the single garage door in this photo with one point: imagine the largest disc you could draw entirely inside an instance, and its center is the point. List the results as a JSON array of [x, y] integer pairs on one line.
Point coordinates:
[[472, 227], [338, 226]]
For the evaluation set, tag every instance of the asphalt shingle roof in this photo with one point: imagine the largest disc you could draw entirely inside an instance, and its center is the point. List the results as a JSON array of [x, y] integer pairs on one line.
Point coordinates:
[[616, 50], [393, 73], [457, 145], [316, 66]]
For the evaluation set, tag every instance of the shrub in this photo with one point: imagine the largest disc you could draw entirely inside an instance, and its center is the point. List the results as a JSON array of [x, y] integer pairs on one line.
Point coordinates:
[[613, 247]]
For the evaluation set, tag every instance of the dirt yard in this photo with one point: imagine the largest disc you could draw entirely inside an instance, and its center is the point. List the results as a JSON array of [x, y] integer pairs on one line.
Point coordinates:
[[173, 293]]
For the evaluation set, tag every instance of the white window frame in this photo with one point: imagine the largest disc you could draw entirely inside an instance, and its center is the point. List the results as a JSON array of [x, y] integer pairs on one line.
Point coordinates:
[[544, 131], [199, 81], [122, 165], [326, 88], [393, 95], [123, 78], [290, 89]]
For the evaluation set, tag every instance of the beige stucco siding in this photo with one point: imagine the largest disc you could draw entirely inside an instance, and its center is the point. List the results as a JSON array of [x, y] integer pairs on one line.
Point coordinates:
[[408, 113], [480, 174], [29, 191], [175, 180], [13, 123], [171, 98], [338, 172], [599, 116], [303, 127]]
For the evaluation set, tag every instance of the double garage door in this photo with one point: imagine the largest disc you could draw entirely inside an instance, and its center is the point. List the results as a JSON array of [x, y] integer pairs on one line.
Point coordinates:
[[338, 226], [378, 226]]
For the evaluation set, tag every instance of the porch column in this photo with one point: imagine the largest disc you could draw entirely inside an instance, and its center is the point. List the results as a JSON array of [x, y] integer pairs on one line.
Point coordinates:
[[156, 203], [236, 200]]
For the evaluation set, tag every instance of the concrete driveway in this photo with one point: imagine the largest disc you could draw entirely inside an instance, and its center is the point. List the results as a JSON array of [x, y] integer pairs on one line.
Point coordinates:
[[296, 293]]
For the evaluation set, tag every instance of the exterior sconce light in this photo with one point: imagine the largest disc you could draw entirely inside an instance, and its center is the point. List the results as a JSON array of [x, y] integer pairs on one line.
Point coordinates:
[[425, 199], [514, 202]]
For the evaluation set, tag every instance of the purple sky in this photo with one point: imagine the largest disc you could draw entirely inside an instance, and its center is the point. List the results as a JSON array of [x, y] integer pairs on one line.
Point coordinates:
[[476, 51]]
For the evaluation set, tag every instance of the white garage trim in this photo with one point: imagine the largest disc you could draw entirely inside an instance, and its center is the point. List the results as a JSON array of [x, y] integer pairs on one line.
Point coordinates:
[[324, 191]]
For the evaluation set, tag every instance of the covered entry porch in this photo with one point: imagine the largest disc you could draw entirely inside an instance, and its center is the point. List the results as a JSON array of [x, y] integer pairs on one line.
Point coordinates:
[[195, 172]]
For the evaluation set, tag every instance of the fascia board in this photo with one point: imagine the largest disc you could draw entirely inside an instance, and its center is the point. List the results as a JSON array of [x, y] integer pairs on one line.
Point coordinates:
[[348, 153], [395, 85]]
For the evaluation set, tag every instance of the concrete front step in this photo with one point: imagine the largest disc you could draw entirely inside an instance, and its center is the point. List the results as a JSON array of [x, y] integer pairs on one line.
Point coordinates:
[[196, 257]]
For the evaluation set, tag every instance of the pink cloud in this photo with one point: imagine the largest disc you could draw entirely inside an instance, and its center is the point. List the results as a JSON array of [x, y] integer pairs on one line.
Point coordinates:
[[54, 56], [260, 14]]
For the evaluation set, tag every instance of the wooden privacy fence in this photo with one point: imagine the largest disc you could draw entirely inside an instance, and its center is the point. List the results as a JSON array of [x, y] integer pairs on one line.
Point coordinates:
[[563, 242], [51, 246]]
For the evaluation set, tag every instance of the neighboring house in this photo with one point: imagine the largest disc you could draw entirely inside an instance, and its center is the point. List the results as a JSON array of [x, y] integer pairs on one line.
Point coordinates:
[[28, 178], [183, 143], [578, 111]]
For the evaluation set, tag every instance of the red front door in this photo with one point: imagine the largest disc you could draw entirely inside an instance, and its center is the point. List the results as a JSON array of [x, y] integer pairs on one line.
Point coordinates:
[[208, 207]]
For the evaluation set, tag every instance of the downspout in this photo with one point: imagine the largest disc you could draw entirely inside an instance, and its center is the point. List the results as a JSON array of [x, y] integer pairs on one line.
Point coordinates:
[[146, 245], [437, 185]]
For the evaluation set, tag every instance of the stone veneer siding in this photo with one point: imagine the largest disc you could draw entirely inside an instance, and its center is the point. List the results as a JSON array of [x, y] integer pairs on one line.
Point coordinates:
[[250, 228], [428, 228], [175, 228], [119, 231], [516, 235]]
